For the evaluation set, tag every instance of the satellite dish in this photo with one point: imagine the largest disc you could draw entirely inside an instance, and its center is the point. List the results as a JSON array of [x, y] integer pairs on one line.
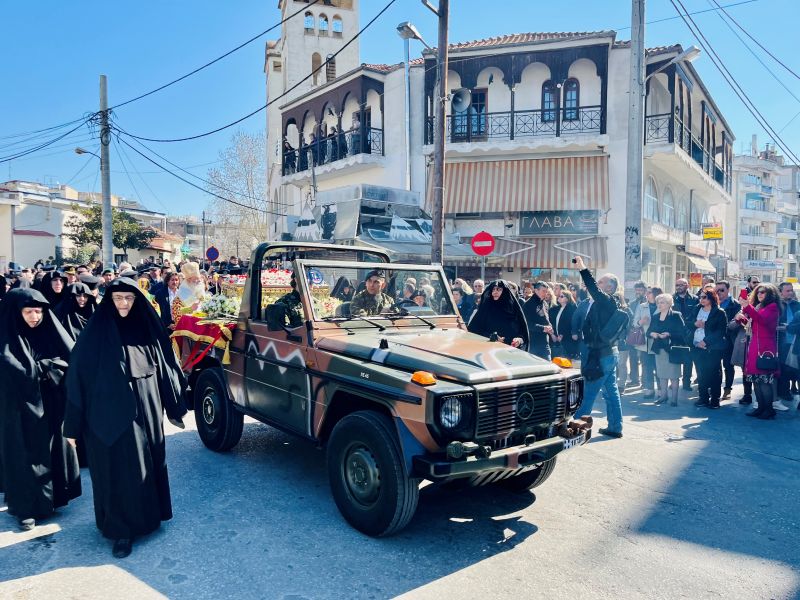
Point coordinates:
[[462, 99]]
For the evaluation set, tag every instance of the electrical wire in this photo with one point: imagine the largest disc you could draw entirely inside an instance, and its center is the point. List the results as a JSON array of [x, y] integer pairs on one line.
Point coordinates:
[[163, 168], [121, 149], [86, 163], [264, 107], [759, 44], [44, 145], [125, 168], [219, 58], [40, 131], [756, 56], [731, 80]]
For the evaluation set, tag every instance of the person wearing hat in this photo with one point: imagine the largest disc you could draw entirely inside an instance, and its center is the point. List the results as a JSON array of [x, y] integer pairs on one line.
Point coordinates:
[[71, 274], [108, 275], [123, 377], [154, 273], [92, 282], [371, 300]]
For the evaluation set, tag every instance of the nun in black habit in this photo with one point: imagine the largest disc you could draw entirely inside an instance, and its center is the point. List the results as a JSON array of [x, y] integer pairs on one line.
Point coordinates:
[[499, 313], [76, 309], [123, 377], [38, 468], [53, 286]]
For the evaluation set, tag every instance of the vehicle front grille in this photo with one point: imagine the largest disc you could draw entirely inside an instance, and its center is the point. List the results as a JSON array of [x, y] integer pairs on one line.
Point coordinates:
[[501, 413]]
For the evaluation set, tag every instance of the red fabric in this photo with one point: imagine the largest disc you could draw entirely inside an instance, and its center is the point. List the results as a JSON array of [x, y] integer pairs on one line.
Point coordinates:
[[200, 327], [764, 335]]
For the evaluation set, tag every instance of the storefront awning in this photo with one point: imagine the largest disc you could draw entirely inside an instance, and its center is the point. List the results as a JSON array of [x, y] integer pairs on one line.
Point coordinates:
[[703, 264], [574, 183], [546, 253]]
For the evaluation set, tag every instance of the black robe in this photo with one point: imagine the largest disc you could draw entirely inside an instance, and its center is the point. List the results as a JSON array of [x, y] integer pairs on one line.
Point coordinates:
[[503, 316], [46, 287], [123, 376], [38, 468], [73, 317]]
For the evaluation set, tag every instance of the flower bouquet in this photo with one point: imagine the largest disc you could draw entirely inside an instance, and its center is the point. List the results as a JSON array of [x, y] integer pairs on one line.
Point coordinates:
[[220, 307]]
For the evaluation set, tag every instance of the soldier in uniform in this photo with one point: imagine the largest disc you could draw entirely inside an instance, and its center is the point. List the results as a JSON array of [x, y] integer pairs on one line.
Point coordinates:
[[371, 300], [292, 306]]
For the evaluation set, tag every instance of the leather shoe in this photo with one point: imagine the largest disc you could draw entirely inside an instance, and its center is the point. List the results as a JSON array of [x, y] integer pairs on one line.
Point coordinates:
[[27, 524], [609, 433], [122, 548], [726, 393]]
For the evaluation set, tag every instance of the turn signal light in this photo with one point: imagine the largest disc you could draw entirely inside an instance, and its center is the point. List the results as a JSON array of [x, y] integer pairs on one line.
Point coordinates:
[[562, 362], [423, 378]]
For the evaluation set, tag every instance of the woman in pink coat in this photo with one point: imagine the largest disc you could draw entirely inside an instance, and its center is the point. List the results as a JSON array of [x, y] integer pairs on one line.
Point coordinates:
[[763, 310]]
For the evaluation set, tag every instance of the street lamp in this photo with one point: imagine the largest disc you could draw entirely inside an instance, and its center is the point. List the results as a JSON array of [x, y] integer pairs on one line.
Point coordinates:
[[104, 210], [80, 150], [688, 55], [408, 32]]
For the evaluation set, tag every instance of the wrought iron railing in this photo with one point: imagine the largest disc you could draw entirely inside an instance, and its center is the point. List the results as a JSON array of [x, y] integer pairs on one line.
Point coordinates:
[[519, 124], [360, 140]]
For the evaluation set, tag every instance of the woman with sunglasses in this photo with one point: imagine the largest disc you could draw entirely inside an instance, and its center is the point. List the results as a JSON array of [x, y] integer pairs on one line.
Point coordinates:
[[561, 315], [763, 310], [707, 330]]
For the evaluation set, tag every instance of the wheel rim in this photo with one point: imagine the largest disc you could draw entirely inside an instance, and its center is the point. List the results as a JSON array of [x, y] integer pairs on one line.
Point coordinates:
[[209, 407], [362, 475]]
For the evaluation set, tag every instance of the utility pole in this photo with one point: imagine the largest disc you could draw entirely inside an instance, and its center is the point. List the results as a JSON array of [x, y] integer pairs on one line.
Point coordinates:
[[204, 238], [437, 236], [105, 175], [407, 44], [633, 209]]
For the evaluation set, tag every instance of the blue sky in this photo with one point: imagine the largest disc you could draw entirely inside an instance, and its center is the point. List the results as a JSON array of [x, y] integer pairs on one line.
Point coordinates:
[[53, 52]]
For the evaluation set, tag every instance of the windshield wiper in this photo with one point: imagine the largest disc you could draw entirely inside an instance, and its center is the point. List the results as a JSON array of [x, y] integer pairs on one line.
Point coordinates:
[[360, 318], [406, 313]]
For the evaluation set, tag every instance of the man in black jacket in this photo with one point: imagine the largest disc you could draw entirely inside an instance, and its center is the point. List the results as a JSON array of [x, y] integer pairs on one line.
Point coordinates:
[[686, 304], [166, 296], [731, 308], [538, 319], [789, 309], [600, 355]]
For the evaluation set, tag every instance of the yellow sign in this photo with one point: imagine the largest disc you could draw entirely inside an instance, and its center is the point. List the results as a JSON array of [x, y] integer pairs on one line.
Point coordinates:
[[791, 280], [713, 232], [695, 279]]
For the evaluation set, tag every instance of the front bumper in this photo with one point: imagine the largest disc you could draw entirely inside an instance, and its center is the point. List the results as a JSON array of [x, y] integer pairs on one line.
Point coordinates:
[[516, 457]]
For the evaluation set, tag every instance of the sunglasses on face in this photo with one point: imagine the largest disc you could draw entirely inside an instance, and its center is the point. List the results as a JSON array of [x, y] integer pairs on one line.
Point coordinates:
[[762, 291]]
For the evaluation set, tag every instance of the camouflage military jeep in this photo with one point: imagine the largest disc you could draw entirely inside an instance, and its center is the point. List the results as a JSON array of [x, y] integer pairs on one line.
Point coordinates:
[[396, 397]]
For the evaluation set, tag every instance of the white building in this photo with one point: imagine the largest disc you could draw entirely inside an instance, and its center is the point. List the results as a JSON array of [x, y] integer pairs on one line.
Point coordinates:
[[539, 160], [33, 218]]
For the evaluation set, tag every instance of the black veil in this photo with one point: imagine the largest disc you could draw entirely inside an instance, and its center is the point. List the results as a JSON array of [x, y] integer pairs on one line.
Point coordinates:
[[503, 316]]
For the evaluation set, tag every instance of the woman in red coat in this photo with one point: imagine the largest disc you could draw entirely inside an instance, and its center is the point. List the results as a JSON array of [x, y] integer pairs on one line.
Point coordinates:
[[763, 310]]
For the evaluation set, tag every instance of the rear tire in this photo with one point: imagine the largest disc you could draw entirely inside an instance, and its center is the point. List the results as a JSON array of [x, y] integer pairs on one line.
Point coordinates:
[[529, 479], [219, 424], [368, 476]]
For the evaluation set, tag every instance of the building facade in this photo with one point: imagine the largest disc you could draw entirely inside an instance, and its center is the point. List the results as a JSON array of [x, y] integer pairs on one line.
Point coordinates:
[[539, 159]]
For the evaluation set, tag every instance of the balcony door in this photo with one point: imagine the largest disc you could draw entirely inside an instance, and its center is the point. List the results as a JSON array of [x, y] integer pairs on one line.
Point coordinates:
[[471, 124]]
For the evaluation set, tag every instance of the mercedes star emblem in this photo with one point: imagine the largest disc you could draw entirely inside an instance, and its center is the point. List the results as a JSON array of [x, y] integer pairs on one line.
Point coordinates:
[[525, 406]]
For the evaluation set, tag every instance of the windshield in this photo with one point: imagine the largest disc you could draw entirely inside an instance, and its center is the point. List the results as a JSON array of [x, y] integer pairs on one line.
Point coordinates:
[[376, 291]]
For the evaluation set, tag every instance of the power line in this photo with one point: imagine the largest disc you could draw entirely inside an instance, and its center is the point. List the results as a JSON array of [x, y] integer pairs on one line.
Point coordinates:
[[163, 168], [759, 44], [216, 60], [44, 145], [291, 89], [142, 179], [86, 163], [756, 56], [39, 131], [696, 12], [730, 79]]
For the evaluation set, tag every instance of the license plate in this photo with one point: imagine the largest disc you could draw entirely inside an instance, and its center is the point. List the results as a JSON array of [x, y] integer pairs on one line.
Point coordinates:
[[571, 443]]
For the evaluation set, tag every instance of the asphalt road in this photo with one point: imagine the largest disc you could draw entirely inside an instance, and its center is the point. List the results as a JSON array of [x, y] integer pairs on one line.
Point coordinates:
[[689, 504]]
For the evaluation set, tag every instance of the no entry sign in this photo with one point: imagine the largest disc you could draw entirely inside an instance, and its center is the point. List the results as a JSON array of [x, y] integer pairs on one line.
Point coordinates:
[[212, 253], [483, 243]]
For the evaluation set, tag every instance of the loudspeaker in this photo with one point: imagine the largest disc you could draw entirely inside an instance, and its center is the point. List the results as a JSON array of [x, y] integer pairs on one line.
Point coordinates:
[[461, 101]]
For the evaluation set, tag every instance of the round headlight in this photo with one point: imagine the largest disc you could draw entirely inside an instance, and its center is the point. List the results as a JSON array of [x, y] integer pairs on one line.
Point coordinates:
[[451, 412]]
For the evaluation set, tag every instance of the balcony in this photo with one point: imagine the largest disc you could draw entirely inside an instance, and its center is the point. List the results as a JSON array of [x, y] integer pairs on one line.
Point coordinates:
[[758, 212], [767, 190], [359, 142], [520, 124], [787, 208], [760, 239], [787, 232], [669, 129]]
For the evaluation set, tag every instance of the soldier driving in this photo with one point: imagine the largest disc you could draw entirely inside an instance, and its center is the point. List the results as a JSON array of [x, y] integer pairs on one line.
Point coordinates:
[[371, 300], [292, 306]]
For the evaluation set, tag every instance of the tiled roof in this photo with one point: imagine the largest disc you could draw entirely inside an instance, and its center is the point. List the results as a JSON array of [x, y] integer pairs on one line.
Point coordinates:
[[527, 38], [652, 51]]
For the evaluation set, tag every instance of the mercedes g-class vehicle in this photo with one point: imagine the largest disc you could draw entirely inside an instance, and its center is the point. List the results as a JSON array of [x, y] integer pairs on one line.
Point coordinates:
[[396, 395]]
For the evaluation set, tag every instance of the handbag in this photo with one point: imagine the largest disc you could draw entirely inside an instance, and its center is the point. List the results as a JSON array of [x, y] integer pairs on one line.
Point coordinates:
[[636, 337], [678, 355]]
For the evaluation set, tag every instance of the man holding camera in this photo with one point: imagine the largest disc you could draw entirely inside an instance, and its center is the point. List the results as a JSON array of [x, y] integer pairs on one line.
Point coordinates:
[[600, 356]]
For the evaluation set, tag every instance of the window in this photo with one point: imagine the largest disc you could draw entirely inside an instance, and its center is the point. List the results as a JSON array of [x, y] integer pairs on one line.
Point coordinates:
[[337, 26], [316, 64], [472, 122], [571, 99], [651, 201], [323, 25], [308, 22], [681, 215], [330, 68], [668, 208], [549, 102]]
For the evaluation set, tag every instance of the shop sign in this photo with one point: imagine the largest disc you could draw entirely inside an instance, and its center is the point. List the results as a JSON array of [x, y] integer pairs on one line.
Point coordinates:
[[712, 231], [763, 265], [559, 222], [695, 279]]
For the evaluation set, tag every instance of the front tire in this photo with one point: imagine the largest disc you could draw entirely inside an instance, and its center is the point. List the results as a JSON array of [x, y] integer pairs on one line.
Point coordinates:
[[529, 479], [368, 476], [219, 424]]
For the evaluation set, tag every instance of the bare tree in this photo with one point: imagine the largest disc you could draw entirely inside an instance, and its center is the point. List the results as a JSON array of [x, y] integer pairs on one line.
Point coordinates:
[[241, 177]]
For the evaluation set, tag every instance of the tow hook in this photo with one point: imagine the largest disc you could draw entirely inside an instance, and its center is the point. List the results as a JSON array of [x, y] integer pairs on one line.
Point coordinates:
[[462, 449], [574, 428]]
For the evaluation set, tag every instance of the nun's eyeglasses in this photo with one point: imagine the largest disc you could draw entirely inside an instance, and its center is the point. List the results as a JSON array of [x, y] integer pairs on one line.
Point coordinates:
[[126, 299]]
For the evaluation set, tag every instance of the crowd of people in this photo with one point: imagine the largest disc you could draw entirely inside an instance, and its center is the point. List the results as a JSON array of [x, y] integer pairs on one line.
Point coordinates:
[[87, 349]]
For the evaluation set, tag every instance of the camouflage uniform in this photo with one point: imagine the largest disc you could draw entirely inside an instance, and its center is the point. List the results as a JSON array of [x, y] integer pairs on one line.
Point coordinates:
[[365, 304], [293, 307]]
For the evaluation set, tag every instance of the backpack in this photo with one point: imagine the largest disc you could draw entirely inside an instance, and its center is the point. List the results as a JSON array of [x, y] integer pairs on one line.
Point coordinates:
[[616, 327]]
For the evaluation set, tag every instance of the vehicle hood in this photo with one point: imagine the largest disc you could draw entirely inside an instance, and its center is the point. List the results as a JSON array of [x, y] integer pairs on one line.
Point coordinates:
[[450, 354]]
